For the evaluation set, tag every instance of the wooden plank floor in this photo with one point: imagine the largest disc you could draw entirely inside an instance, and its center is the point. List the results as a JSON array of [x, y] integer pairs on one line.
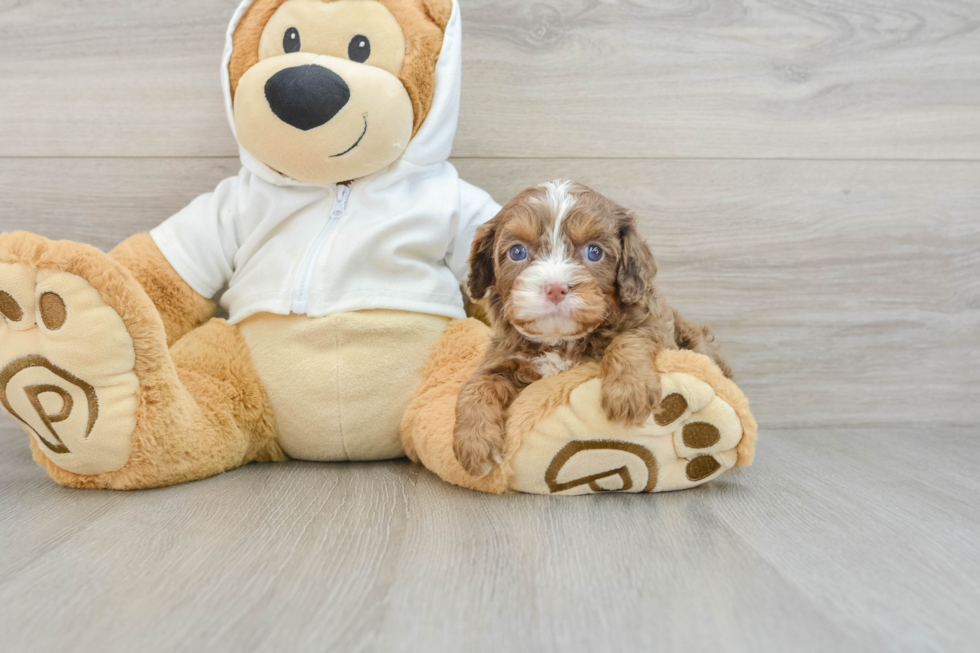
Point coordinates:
[[809, 176], [839, 539]]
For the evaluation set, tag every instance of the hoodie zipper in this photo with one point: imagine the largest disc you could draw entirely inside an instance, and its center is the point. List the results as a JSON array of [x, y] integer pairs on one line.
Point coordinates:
[[304, 282]]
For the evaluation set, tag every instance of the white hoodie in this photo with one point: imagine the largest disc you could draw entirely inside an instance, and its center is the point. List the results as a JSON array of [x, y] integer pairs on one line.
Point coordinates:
[[397, 239]]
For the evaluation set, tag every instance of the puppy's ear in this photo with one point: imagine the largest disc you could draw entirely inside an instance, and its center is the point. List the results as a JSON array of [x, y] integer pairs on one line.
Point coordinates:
[[481, 260], [637, 267]]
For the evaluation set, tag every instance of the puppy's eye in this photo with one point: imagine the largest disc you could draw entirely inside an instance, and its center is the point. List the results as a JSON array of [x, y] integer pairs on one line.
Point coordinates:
[[359, 49], [594, 253], [291, 42], [518, 253]]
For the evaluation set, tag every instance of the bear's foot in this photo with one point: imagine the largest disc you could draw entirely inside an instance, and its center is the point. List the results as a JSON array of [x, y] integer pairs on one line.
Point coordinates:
[[67, 360], [569, 447], [85, 368]]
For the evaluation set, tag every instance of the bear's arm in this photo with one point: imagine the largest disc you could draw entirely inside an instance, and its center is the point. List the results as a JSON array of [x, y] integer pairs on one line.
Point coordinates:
[[179, 305], [188, 259], [200, 242]]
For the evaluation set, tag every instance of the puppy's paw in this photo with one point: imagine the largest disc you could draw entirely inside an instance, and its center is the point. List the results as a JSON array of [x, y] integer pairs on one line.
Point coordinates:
[[478, 437], [630, 400], [478, 447]]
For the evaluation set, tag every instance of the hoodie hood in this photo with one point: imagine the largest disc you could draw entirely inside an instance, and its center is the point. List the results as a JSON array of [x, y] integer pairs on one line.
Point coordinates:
[[431, 145], [398, 239]]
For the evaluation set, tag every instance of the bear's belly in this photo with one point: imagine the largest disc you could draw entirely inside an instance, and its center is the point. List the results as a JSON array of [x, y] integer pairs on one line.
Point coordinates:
[[340, 385]]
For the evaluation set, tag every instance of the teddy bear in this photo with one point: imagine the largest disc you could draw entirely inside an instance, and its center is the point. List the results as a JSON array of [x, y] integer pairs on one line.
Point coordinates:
[[338, 252], [342, 242]]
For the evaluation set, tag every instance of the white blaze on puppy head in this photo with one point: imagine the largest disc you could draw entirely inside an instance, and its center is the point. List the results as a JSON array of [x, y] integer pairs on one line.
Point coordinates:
[[560, 202], [544, 295]]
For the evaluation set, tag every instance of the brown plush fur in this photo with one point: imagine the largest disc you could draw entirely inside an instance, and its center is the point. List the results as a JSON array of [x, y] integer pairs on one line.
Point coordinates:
[[619, 317], [422, 21], [201, 407], [181, 309], [428, 424], [427, 430]]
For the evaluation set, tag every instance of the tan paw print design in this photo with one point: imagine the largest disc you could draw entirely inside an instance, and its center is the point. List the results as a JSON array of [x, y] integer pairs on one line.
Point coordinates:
[[66, 368], [703, 430]]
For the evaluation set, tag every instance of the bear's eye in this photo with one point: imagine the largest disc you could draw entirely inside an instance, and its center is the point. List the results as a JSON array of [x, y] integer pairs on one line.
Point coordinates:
[[359, 49], [291, 42]]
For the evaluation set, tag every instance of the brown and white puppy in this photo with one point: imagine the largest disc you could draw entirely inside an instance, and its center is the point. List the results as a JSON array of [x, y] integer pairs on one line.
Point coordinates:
[[567, 279]]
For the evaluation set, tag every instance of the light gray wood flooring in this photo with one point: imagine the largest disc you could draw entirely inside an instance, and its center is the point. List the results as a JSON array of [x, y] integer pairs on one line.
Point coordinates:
[[808, 173]]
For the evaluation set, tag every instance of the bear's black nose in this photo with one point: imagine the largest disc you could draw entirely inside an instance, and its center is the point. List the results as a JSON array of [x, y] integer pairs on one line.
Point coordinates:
[[306, 96]]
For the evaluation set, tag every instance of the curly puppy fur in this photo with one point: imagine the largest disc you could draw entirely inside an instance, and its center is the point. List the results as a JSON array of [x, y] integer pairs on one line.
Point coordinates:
[[567, 279]]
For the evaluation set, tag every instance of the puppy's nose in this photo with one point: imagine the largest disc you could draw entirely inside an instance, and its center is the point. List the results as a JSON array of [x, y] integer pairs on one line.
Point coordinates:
[[306, 96], [556, 292]]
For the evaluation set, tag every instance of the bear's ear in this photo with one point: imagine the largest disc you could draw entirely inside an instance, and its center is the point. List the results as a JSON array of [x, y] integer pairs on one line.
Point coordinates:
[[438, 11], [424, 24], [245, 41]]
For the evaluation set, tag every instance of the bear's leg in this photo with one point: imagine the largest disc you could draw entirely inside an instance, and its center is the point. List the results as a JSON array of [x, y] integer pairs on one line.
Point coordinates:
[[85, 367]]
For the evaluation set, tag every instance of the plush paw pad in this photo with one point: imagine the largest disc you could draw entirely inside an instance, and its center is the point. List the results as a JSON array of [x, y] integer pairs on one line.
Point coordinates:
[[66, 368], [576, 450]]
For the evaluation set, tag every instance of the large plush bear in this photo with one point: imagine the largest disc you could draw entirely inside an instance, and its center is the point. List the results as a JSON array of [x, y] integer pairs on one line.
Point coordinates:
[[341, 247], [342, 242]]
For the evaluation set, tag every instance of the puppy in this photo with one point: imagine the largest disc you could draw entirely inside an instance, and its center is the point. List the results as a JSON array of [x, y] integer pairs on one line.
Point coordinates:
[[566, 279]]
